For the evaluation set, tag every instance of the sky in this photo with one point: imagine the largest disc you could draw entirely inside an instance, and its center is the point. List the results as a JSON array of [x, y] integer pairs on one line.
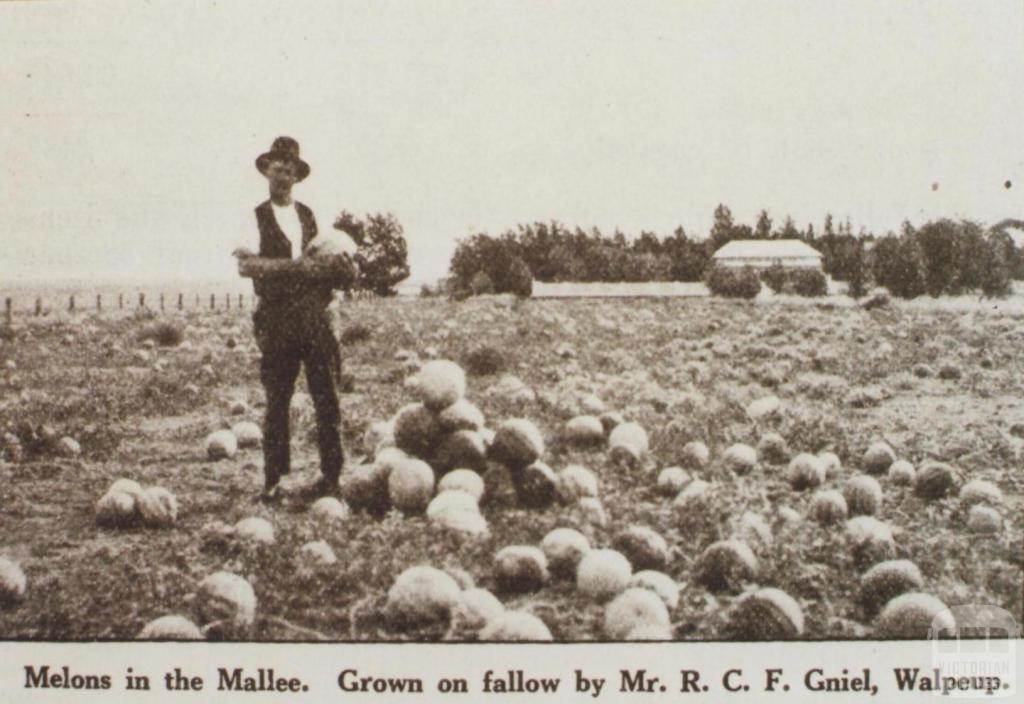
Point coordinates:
[[128, 130]]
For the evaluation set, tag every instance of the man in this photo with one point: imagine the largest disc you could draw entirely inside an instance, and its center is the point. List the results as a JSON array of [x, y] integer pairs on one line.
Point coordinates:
[[292, 327]]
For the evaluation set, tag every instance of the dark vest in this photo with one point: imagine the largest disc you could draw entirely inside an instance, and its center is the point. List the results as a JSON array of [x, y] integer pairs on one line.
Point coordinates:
[[286, 296]]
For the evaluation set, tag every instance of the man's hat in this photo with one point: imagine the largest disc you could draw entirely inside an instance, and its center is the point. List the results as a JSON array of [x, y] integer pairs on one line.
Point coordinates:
[[283, 149]]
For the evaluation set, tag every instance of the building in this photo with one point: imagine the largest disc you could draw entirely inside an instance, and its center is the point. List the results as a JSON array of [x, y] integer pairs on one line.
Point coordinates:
[[761, 254]]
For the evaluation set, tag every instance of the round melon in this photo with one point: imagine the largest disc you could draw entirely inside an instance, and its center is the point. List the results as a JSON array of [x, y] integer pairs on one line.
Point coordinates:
[[584, 431], [410, 485], [12, 582], [872, 541], [116, 509], [659, 583], [255, 529], [915, 615], [448, 501], [417, 431], [650, 633], [469, 524], [886, 581], [463, 449], [247, 434], [421, 595], [564, 548], [766, 614], [602, 574], [441, 383], [984, 519], [592, 511], [378, 435], [878, 458], [628, 444], [934, 481], [520, 569], [671, 481], [126, 486], [157, 507], [644, 548], [536, 486], [693, 496], [979, 491], [515, 626], [576, 482], [365, 486], [632, 609], [754, 530], [805, 471], [517, 444], [828, 507], [695, 455], [863, 495], [726, 565], [221, 444], [901, 473], [772, 448], [464, 480], [318, 552], [171, 627], [330, 509], [479, 607], [461, 415], [610, 420], [833, 465], [226, 598], [739, 458]]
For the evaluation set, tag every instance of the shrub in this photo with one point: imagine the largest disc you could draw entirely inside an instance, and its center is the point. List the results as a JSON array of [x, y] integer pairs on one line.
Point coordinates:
[[518, 279], [808, 282], [733, 283], [775, 277], [355, 333], [481, 284], [163, 333], [485, 360]]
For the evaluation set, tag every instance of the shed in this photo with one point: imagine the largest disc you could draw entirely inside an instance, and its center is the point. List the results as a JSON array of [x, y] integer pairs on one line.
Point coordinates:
[[761, 254]]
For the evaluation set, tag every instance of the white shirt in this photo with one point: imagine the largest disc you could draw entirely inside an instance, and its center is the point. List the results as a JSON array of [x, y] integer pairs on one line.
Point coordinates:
[[288, 220]]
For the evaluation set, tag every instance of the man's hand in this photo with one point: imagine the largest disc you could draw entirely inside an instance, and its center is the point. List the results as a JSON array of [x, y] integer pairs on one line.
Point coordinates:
[[243, 253]]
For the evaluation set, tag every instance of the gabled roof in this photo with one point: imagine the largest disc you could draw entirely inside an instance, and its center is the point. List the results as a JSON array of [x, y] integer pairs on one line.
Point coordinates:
[[766, 249]]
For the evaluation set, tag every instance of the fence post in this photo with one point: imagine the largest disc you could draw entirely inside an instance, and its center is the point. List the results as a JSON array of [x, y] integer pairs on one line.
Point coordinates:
[[120, 301], [39, 305], [99, 302], [8, 312], [227, 301], [213, 302], [240, 306], [71, 304], [181, 301], [197, 300], [161, 302], [142, 300]]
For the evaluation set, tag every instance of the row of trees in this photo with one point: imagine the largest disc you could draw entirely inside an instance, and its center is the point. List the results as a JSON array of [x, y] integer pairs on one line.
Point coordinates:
[[942, 257]]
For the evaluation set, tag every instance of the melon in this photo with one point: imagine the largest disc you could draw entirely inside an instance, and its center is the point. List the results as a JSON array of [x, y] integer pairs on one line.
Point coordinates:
[[610, 420], [828, 507], [644, 548], [694, 495], [448, 501], [591, 404], [872, 541], [934, 481], [463, 449], [441, 383], [878, 458], [764, 407], [68, 447], [247, 434], [592, 511], [863, 495], [536, 486], [330, 509], [584, 431], [901, 473], [739, 458], [631, 609], [318, 552], [116, 509], [564, 548], [772, 448], [766, 614], [410, 485], [628, 443], [754, 530], [127, 486], [602, 574], [915, 615], [517, 444], [157, 507], [464, 480], [726, 565], [479, 607], [171, 627], [520, 569], [515, 626], [417, 430], [469, 524], [833, 465], [389, 458], [979, 491], [221, 444], [805, 471], [12, 582], [671, 481], [984, 519], [255, 529], [238, 407], [461, 415], [659, 583], [886, 581], [695, 455], [576, 482], [421, 595], [378, 435], [365, 486], [649, 633], [227, 599], [331, 243]]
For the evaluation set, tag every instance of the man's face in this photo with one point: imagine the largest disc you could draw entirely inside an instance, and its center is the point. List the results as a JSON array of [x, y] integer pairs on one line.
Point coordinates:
[[281, 175]]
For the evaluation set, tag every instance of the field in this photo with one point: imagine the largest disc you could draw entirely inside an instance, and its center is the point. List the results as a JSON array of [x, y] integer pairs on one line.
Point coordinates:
[[934, 384]]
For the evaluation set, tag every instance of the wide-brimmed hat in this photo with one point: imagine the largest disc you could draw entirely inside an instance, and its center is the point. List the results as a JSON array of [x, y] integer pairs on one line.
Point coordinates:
[[283, 149]]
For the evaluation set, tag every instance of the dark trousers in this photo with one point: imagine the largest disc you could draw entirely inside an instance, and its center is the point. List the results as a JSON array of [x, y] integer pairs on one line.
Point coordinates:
[[286, 347]]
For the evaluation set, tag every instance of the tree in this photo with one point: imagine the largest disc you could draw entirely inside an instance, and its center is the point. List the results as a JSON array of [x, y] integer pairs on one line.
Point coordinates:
[[789, 231], [857, 272], [722, 228], [763, 228], [382, 256]]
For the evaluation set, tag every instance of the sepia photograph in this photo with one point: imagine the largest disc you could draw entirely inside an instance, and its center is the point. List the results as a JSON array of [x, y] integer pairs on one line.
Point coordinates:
[[472, 321]]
